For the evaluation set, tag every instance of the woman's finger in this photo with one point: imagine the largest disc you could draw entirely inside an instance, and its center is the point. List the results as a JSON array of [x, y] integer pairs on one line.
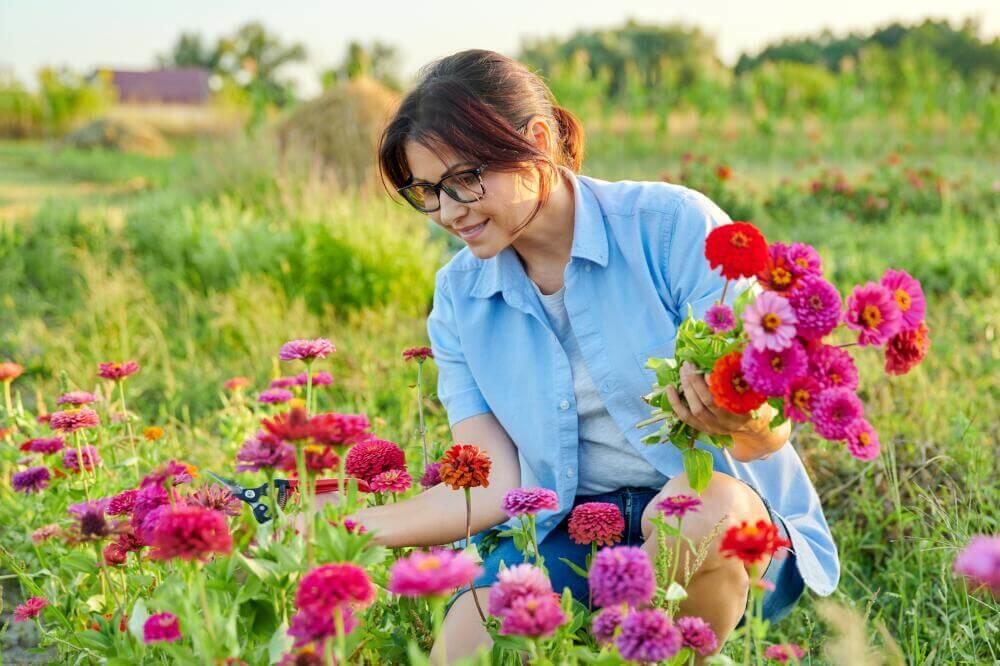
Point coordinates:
[[682, 411], [698, 408]]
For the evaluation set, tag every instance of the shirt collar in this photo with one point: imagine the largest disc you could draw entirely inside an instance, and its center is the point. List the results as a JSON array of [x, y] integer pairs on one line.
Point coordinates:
[[504, 272]]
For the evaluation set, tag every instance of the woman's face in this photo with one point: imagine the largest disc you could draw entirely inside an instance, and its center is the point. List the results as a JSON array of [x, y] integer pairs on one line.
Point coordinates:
[[486, 225]]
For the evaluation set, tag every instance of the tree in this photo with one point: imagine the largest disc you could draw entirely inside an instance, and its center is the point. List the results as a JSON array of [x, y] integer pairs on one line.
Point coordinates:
[[379, 61]]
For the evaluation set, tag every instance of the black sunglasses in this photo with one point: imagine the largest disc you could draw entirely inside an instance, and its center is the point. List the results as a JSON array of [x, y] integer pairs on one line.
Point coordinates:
[[464, 187]]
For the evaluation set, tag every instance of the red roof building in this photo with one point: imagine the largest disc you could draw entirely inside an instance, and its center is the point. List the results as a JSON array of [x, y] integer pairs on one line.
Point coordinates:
[[188, 85]]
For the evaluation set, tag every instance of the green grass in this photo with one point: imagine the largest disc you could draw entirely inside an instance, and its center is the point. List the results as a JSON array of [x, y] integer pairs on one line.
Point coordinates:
[[205, 266]]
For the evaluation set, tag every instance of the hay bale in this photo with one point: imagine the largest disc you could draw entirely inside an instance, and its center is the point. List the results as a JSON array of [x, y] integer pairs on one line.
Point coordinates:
[[118, 134], [339, 130]]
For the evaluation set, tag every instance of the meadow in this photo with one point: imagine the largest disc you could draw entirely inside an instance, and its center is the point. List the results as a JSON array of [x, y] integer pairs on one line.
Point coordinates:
[[201, 265]]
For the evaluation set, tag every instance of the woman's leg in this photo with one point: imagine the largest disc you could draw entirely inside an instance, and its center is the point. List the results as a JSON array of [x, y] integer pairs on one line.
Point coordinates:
[[463, 631], [718, 589]]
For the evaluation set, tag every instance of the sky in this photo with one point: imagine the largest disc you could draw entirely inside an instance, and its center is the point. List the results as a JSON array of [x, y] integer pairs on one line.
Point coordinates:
[[129, 34]]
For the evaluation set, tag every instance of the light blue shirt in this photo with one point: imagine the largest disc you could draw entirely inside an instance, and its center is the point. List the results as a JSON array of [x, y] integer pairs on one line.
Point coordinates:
[[636, 263]]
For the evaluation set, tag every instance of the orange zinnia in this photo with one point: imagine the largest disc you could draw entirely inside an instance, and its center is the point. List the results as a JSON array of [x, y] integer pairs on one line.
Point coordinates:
[[729, 389], [465, 466]]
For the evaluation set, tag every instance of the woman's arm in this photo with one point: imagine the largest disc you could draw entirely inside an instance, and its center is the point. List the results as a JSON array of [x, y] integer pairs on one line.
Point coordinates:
[[437, 516]]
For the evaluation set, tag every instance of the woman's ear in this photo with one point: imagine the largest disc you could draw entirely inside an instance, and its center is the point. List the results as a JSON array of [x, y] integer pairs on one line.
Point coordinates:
[[540, 133]]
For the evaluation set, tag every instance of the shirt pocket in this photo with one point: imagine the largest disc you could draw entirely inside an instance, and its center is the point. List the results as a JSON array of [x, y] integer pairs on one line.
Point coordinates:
[[661, 349]]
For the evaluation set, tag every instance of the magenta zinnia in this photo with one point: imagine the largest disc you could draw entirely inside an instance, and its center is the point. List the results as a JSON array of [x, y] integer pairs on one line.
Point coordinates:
[[909, 297], [273, 396], [72, 420], [373, 456], [161, 628], [431, 476], [979, 562], [433, 573], [770, 372], [31, 480], [873, 312], [117, 371], [678, 505], [596, 522], [76, 398], [606, 622], [332, 585], [265, 451], [517, 581], [529, 501], [533, 615], [836, 408], [770, 322], [420, 354], [30, 609], [817, 308], [648, 636], [306, 350], [622, 574], [44, 445], [122, 503], [720, 318], [91, 458], [315, 627], [697, 635], [832, 367], [800, 398], [862, 440], [190, 533]]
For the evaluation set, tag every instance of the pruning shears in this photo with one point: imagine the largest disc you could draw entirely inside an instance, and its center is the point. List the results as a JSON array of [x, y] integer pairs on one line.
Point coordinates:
[[257, 497]]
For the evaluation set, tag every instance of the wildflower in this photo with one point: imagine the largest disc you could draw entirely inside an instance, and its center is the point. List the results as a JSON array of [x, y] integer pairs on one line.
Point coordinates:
[[800, 398], [979, 562], [529, 501], [391, 480], [30, 609], [836, 408], [720, 318], [517, 581], [678, 505], [622, 574], [648, 636], [769, 322], [216, 498], [318, 379], [817, 308], [606, 622], [306, 350], [161, 628], [465, 466], [373, 456], [9, 371], [421, 354], [909, 297], [236, 383], [431, 476], [152, 433], [31, 480], [77, 398], [44, 445], [832, 367], [122, 503], [596, 522], [751, 543], [274, 396], [189, 533], [873, 312], [117, 371], [72, 420], [770, 372], [729, 388], [782, 653], [697, 635], [906, 350], [738, 248], [533, 615], [433, 573], [862, 440], [90, 458]]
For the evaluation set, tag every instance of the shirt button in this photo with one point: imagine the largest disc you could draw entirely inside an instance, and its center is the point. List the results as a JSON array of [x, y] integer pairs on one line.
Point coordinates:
[[564, 404], [569, 473]]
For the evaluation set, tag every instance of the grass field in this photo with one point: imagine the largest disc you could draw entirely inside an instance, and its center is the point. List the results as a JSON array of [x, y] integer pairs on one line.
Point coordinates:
[[200, 265]]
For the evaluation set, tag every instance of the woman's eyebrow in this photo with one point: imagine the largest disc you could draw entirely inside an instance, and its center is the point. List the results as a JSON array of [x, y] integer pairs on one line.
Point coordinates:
[[447, 173]]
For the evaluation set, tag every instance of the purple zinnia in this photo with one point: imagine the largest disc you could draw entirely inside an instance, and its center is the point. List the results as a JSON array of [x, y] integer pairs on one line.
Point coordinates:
[[648, 635], [529, 501], [275, 395], [770, 322], [31, 480], [816, 304], [605, 623], [697, 635], [282, 383], [306, 350], [76, 398], [72, 420], [832, 367], [873, 312], [265, 451], [720, 318], [431, 476], [862, 440], [44, 445], [980, 562], [517, 581], [533, 615], [622, 574], [161, 628], [770, 372], [91, 458], [835, 410], [678, 505]]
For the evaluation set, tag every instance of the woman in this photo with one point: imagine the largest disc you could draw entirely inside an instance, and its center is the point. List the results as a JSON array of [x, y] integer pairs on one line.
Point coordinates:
[[540, 329]]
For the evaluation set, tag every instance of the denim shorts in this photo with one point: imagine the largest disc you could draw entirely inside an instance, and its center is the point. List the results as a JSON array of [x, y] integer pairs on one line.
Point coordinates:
[[781, 572]]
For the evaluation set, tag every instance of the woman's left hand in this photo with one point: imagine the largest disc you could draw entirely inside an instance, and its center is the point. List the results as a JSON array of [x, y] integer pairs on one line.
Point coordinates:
[[701, 412]]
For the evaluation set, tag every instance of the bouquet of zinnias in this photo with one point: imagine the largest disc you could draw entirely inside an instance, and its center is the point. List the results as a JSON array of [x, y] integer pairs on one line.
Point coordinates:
[[771, 345]]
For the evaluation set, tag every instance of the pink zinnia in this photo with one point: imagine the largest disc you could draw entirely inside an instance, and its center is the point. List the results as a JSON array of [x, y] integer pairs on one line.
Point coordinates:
[[117, 371], [698, 635], [832, 367], [804, 260], [720, 318], [533, 615], [622, 574], [282, 383], [76, 398], [122, 503], [980, 562], [648, 636], [862, 440], [309, 626], [517, 581], [421, 354], [273, 396], [72, 420], [678, 505], [392, 481], [91, 458], [332, 585], [782, 653], [373, 456], [216, 498], [161, 628], [873, 312], [431, 476], [816, 304], [176, 472], [770, 372], [191, 533], [321, 378], [44, 445], [801, 398], [265, 451], [836, 408], [606, 622], [596, 522], [306, 350], [151, 503], [770, 322], [31, 480], [433, 573], [909, 297], [529, 501], [30, 609]]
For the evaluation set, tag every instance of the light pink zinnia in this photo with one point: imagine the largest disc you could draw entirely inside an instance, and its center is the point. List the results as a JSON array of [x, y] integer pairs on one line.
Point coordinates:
[[909, 297], [72, 420], [306, 350], [517, 581], [836, 408], [720, 318], [980, 562], [391, 481], [433, 573], [862, 440], [770, 322], [529, 501], [161, 628], [770, 372], [76, 398], [117, 371], [873, 312]]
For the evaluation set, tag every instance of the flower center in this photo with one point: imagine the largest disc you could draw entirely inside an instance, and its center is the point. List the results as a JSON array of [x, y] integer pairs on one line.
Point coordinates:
[[903, 299], [801, 399], [739, 384], [771, 322], [781, 277], [815, 302], [871, 316], [864, 439], [739, 239], [429, 564], [835, 379], [777, 364], [801, 262]]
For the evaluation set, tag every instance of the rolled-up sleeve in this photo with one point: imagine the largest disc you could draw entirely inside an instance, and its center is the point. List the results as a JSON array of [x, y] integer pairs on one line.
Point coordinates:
[[457, 388]]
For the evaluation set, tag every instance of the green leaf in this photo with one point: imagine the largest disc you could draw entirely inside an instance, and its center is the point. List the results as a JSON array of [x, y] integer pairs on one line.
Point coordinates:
[[698, 466], [575, 567], [137, 620], [279, 644], [94, 640]]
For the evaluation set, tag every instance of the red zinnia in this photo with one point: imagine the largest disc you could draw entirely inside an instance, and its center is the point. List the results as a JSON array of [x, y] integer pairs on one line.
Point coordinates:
[[465, 466], [290, 426], [596, 522], [30, 608], [738, 248], [421, 354], [190, 532], [373, 456], [752, 542], [906, 350], [338, 429], [730, 390]]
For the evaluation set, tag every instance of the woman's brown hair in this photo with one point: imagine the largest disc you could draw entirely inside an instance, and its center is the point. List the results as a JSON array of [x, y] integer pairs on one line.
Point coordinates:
[[476, 103]]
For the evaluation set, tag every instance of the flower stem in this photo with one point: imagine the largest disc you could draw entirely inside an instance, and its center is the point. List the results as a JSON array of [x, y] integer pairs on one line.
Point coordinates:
[[725, 288], [309, 387], [751, 610], [128, 421], [306, 500], [338, 622], [437, 618], [420, 413], [209, 617], [468, 540], [7, 400], [81, 468]]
